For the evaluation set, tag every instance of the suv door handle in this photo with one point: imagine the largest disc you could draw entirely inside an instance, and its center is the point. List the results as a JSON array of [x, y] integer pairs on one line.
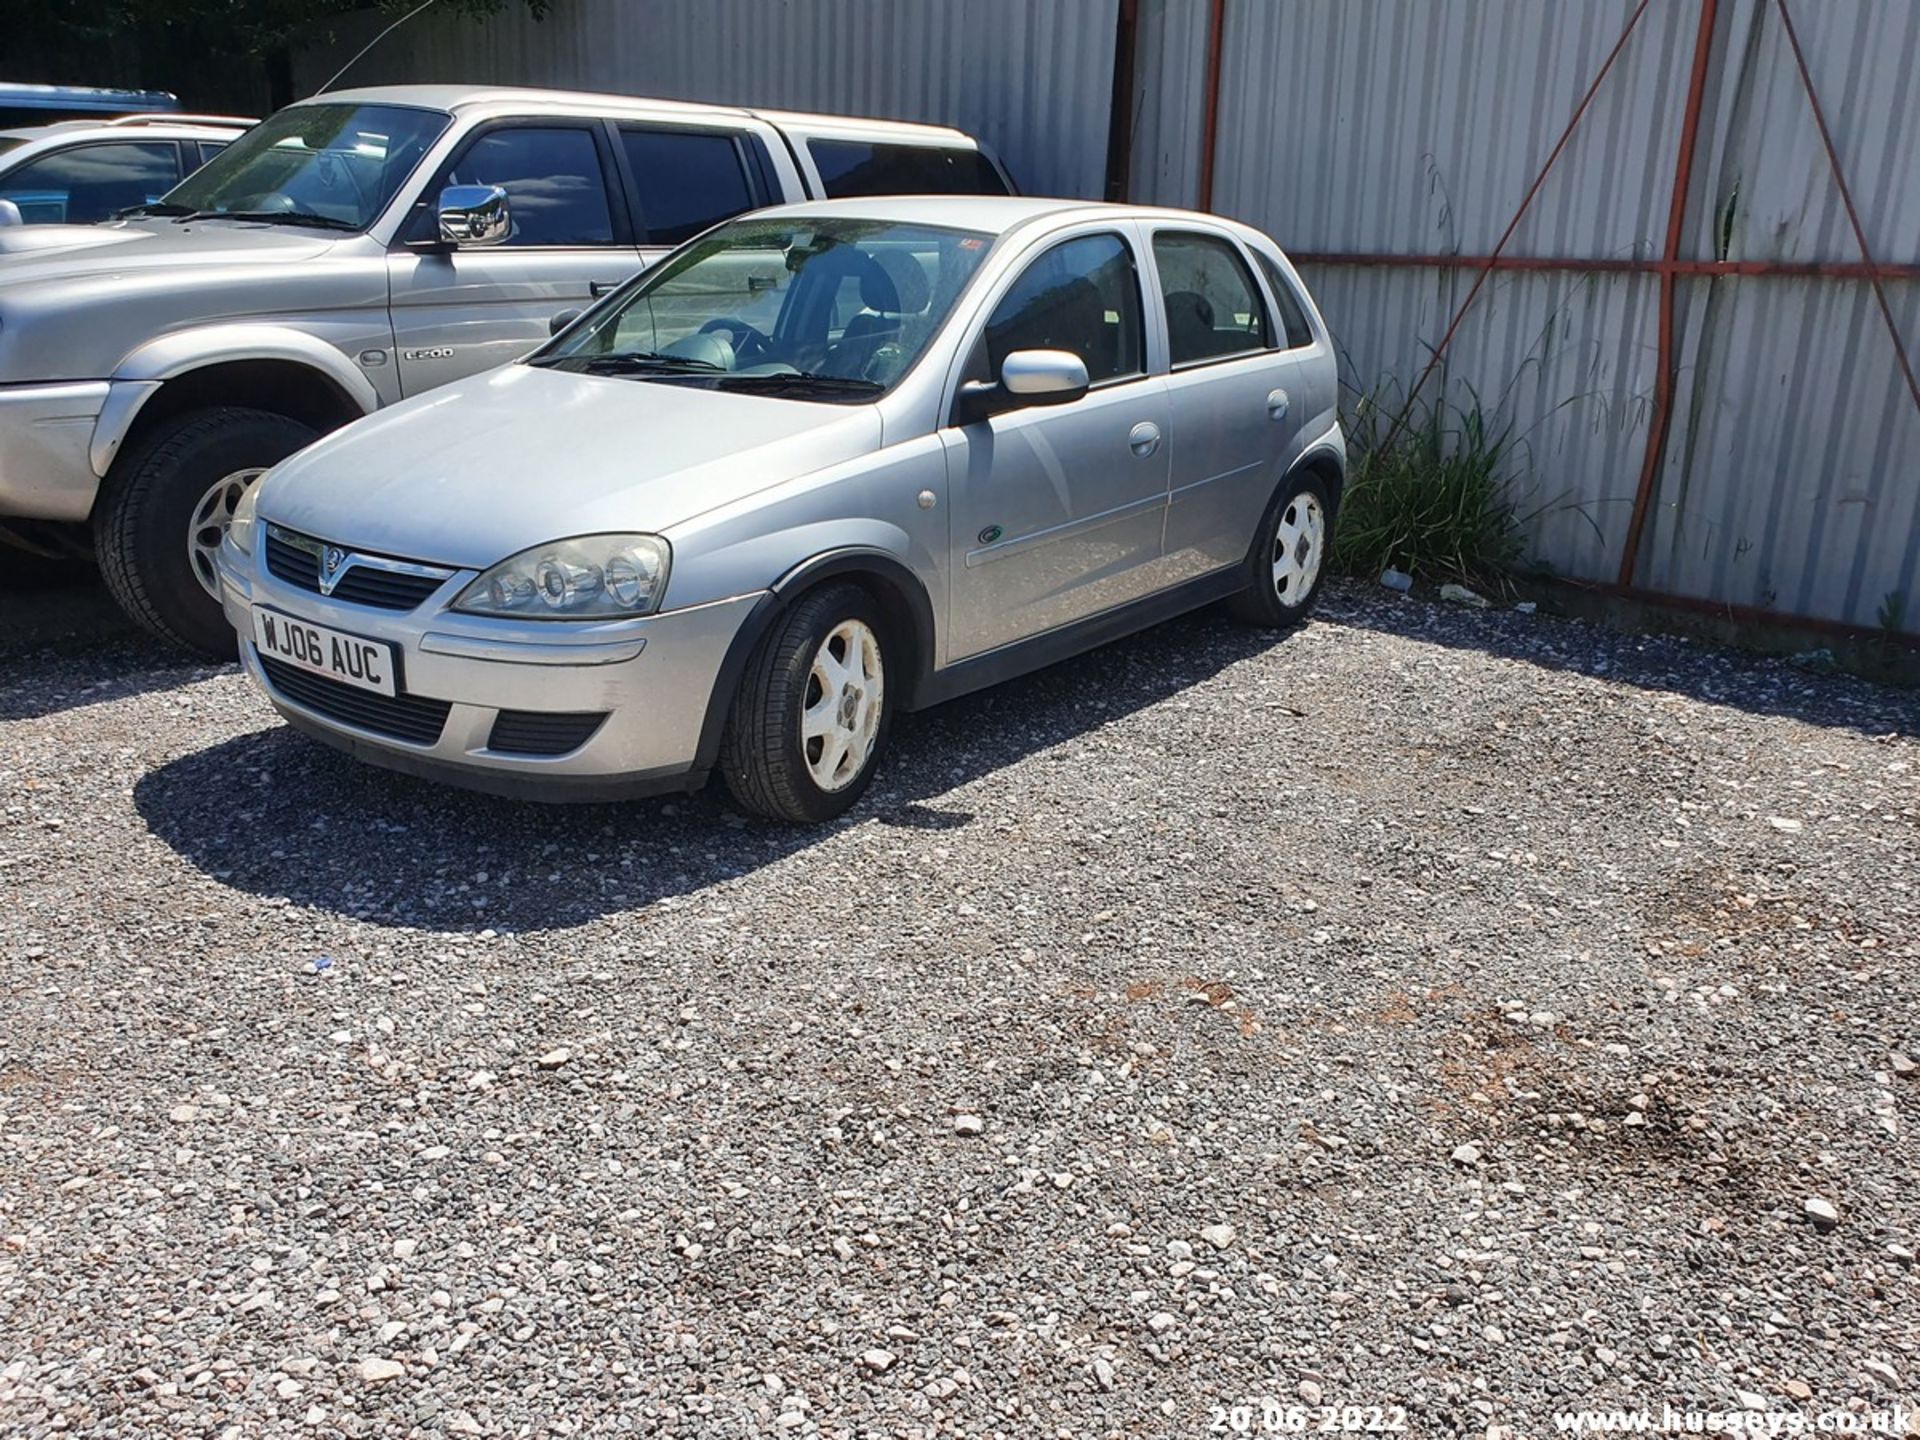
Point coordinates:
[[1144, 438], [1277, 404], [597, 288]]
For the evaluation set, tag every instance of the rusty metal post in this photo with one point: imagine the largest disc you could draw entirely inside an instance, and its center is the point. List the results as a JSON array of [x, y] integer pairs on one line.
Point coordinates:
[[1210, 126], [1667, 379]]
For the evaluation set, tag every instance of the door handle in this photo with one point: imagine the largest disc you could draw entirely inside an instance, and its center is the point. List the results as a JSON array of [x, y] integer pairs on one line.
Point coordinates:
[[598, 288], [1144, 438], [1277, 404]]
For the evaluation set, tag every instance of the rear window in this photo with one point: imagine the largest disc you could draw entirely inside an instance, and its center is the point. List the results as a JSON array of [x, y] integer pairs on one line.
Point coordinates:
[[1292, 317], [851, 168]]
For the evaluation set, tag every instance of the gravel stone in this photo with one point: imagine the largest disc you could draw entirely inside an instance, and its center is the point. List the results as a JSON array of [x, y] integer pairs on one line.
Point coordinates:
[[1211, 923], [1822, 1213]]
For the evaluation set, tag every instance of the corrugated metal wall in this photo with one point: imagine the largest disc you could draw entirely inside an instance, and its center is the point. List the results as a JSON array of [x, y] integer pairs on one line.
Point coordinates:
[[1791, 478], [1035, 80]]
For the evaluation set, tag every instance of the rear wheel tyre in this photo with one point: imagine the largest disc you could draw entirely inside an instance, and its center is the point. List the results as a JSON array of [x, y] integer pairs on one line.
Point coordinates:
[[1289, 559], [811, 717], [165, 508]]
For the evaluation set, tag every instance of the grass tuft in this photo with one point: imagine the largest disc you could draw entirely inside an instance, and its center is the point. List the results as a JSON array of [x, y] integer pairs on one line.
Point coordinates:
[[1434, 499]]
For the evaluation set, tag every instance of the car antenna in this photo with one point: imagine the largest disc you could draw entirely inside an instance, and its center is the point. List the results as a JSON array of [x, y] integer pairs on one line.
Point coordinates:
[[424, 4]]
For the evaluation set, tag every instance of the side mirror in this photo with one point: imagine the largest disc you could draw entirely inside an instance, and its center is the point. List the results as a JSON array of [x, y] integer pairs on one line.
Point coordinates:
[[474, 215], [562, 320], [1027, 377], [10, 214]]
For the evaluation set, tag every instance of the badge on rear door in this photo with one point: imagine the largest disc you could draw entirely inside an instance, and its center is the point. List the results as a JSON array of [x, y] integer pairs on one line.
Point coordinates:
[[990, 534]]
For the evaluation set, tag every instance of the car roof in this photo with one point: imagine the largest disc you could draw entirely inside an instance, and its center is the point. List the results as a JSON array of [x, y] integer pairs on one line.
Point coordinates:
[[992, 214], [515, 100], [83, 97], [101, 130]]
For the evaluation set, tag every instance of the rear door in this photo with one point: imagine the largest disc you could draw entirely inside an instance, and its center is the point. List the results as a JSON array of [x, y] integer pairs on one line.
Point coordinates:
[[685, 178], [572, 241], [1233, 386]]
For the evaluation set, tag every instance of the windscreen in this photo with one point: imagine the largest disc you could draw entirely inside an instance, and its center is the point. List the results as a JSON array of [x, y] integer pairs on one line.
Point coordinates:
[[337, 165], [811, 307]]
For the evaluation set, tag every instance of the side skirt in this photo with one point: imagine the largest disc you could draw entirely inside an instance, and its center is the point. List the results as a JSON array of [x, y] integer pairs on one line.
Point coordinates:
[[1025, 656]]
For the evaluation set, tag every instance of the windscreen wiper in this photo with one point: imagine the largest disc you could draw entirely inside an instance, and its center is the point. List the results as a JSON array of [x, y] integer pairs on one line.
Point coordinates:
[[153, 207], [272, 217], [633, 362], [803, 380]]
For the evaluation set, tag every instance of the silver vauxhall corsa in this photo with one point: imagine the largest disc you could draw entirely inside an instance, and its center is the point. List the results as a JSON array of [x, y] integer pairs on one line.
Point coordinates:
[[823, 463]]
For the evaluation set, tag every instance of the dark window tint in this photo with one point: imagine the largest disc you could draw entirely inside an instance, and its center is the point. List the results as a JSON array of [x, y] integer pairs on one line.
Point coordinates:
[[1213, 307], [687, 181], [1083, 295], [1292, 318], [854, 167], [555, 186], [91, 182], [210, 148]]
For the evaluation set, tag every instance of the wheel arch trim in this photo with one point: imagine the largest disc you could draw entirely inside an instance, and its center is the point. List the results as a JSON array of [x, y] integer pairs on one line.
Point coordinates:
[[144, 372], [852, 560]]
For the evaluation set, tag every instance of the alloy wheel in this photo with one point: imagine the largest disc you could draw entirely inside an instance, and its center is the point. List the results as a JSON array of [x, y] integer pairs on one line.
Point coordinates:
[[840, 720], [1299, 548], [208, 527]]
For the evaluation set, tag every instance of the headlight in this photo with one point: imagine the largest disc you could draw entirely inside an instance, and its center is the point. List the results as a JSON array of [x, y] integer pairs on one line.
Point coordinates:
[[240, 528], [593, 577]]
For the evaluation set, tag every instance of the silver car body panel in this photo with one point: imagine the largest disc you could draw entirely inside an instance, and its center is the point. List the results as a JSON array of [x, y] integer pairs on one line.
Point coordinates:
[[751, 491], [149, 299]]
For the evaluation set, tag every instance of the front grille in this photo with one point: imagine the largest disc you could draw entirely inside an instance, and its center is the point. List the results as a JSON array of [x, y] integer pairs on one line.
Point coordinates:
[[543, 732], [361, 584], [412, 718]]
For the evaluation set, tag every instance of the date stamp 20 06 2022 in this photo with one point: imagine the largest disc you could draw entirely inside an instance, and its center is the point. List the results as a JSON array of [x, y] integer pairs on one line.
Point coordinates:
[[1269, 1416]]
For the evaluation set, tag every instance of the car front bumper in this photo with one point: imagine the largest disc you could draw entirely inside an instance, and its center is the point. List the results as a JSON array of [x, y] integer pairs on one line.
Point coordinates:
[[650, 678], [46, 432]]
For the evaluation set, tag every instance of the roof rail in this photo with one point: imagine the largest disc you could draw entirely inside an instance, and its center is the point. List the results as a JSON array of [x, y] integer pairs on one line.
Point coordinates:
[[176, 117]]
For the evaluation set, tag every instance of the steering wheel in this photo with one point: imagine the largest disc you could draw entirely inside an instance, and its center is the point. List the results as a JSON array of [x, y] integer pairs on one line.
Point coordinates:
[[750, 346]]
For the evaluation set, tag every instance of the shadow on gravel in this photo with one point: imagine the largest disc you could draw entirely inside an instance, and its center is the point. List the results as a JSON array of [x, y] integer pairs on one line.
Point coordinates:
[[278, 815], [1761, 685], [66, 646]]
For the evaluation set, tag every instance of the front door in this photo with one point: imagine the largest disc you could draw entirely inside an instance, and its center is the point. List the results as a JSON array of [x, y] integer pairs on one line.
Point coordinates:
[[1056, 511], [571, 242]]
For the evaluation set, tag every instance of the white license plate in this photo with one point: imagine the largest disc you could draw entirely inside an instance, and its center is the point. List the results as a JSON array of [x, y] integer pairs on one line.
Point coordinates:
[[364, 664]]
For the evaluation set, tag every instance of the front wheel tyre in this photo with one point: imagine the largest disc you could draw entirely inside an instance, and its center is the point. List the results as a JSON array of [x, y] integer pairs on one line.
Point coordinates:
[[165, 509], [1289, 556], [810, 721]]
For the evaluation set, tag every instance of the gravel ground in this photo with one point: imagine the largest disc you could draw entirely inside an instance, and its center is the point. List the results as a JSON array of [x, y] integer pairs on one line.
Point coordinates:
[[1442, 1009]]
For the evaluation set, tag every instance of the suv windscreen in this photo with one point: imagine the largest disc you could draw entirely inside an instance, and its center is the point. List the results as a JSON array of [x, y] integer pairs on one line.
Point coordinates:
[[861, 167], [811, 307], [339, 165]]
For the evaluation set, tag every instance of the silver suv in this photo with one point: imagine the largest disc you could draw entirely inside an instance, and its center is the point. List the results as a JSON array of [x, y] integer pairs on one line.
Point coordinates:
[[353, 250], [824, 463]]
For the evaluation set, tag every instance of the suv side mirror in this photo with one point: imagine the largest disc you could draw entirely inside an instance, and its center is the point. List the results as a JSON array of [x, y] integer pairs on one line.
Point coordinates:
[[1027, 377], [474, 215], [10, 214]]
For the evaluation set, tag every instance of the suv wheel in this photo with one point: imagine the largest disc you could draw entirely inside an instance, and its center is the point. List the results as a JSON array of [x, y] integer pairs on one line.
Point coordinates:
[[810, 719], [1289, 556], [165, 507]]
